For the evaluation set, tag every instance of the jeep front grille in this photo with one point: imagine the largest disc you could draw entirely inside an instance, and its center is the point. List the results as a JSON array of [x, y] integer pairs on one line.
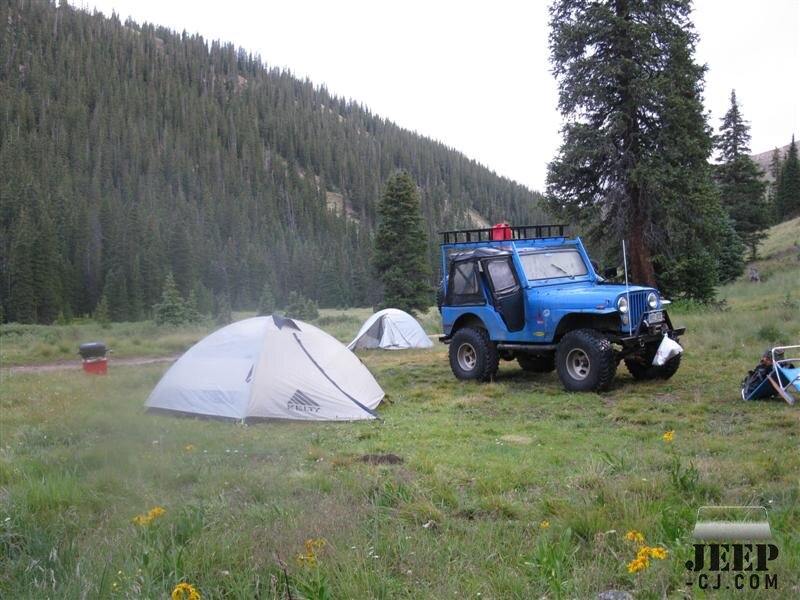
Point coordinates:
[[636, 307]]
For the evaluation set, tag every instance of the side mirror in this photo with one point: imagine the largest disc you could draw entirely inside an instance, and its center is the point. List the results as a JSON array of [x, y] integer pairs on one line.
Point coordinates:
[[610, 273]]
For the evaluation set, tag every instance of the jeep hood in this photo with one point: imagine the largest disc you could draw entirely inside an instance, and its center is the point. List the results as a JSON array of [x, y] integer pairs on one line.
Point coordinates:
[[582, 294]]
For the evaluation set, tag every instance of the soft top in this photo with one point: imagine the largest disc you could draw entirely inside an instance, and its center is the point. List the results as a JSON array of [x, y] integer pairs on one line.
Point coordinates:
[[481, 252]]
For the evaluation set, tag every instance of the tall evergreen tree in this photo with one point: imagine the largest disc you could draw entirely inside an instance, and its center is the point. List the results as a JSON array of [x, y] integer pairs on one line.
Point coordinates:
[[775, 173], [741, 180], [115, 291], [266, 302], [21, 301], [400, 247], [633, 163], [787, 195], [734, 135], [172, 309]]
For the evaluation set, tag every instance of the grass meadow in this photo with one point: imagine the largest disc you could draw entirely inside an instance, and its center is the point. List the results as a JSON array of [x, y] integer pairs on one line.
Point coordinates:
[[514, 489]]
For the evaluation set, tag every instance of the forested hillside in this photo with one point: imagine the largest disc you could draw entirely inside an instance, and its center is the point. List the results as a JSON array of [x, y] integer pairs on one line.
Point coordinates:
[[128, 151]]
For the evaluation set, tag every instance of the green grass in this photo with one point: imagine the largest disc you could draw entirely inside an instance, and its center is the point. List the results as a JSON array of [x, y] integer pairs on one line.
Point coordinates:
[[483, 467], [37, 344], [34, 344]]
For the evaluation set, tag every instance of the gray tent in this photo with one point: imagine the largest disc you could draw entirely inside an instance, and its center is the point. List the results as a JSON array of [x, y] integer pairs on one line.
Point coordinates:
[[391, 329], [269, 367]]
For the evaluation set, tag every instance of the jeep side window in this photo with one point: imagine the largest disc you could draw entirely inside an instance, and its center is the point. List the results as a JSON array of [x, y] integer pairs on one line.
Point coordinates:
[[464, 287], [502, 275]]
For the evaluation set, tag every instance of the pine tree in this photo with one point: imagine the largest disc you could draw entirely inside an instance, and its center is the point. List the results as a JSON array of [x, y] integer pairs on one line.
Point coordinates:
[[205, 299], [192, 308], [787, 196], [775, 174], [172, 308], [300, 307], [400, 247], [115, 291], [266, 302], [633, 163], [734, 135], [21, 302], [741, 181], [136, 292], [101, 312], [45, 265], [224, 312]]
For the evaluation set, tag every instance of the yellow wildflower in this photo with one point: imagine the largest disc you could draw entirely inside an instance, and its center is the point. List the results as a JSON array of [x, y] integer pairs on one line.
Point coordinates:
[[658, 553], [668, 435], [184, 591], [638, 564], [312, 550], [634, 536], [642, 560], [189, 447], [544, 525], [147, 517]]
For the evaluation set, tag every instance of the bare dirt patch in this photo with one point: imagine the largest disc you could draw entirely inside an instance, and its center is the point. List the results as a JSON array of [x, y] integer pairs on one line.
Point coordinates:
[[381, 459]]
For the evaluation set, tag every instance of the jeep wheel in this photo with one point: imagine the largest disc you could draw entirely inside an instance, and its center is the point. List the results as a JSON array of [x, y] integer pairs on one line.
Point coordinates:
[[537, 364], [644, 369], [473, 355], [585, 361]]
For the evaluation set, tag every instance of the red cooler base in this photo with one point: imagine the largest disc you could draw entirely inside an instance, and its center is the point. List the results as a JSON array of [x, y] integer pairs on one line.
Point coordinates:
[[96, 367]]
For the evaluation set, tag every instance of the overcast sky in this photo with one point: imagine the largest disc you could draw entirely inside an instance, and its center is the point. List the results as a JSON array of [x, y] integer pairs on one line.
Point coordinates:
[[475, 75]]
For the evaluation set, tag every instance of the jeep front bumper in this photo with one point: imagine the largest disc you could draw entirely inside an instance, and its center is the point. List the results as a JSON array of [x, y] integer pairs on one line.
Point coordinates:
[[650, 330]]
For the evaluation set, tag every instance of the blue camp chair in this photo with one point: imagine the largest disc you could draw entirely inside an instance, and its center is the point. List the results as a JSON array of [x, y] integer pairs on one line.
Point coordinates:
[[783, 380]]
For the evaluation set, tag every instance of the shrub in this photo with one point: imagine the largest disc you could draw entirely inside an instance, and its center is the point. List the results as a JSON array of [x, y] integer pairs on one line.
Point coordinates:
[[300, 307]]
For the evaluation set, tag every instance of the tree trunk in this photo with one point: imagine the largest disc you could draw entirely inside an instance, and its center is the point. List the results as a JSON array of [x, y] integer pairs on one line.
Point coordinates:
[[640, 258]]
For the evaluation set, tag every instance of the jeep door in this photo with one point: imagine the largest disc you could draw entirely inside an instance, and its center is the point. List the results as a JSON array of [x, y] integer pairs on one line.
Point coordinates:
[[507, 294]]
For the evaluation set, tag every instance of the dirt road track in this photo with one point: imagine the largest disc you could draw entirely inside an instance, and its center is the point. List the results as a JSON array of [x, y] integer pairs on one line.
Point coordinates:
[[76, 364]]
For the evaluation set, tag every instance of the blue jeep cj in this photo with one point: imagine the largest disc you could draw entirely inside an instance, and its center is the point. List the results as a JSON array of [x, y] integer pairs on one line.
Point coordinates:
[[535, 296]]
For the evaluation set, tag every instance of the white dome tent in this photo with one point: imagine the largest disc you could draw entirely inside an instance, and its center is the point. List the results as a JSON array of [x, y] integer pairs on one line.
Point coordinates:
[[269, 367], [391, 329]]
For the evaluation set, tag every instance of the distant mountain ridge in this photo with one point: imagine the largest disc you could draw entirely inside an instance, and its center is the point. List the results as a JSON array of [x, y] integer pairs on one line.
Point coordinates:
[[764, 160], [128, 151]]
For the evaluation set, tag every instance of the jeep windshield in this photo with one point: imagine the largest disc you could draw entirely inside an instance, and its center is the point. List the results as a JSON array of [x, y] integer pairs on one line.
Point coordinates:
[[553, 263]]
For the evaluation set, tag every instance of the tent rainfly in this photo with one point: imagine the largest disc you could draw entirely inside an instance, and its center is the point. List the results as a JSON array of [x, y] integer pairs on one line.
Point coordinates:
[[269, 367], [391, 329]]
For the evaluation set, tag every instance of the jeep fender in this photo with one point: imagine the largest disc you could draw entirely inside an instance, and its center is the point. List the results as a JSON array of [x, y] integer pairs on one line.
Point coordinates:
[[466, 320], [600, 321]]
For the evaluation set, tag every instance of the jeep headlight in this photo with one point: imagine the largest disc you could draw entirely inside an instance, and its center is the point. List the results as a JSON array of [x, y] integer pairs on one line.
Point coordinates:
[[652, 300], [622, 304]]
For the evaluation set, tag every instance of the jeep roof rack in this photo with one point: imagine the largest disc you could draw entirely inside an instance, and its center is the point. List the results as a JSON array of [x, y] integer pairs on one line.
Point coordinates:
[[519, 232]]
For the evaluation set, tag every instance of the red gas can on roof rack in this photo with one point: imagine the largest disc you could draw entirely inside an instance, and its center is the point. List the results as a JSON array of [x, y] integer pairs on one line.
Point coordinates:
[[501, 231]]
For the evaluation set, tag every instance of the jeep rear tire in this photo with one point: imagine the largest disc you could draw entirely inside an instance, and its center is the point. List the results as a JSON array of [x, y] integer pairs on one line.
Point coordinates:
[[644, 369], [537, 364], [585, 361], [473, 355]]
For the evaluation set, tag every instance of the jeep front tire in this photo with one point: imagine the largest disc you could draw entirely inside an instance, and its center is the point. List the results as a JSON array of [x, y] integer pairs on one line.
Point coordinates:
[[643, 369], [585, 361], [473, 355]]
